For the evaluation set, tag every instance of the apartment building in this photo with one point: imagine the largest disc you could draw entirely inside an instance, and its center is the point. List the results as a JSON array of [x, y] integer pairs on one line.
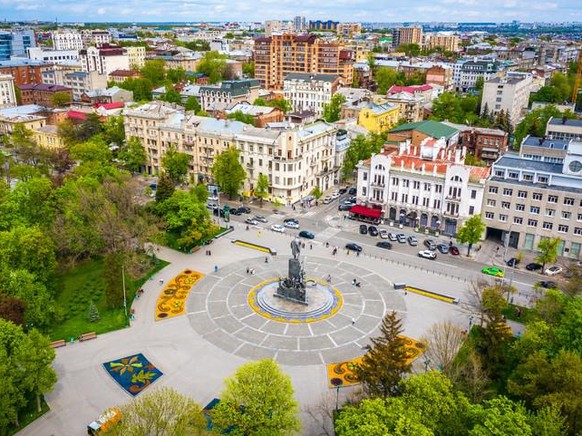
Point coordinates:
[[507, 94], [309, 92], [323, 25], [29, 116], [104, 59], [262, 115], [278, 27], [466, 72], [7, 92], [375, 117], [410, 106], [136, 56], [48, 137], [218, 98], [53, 56], [425, 92], [15, 43], [349, 30], [299, 24], [440, 75], [296, 160], [43, 94], [107, 96], [406, 35], [447, 41], [280, 55], [95, 38], [425, 186], [537, 194], [483, 143], [67, 40], [25, 72], [562, 128], [418, 132]]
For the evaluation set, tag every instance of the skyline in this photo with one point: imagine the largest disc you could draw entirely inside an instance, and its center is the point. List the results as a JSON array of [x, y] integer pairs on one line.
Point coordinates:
[[261, 10]]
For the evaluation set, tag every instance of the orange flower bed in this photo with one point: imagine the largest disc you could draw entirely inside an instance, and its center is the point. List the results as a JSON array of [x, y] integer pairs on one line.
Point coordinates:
[[342, 374], [172, 299]]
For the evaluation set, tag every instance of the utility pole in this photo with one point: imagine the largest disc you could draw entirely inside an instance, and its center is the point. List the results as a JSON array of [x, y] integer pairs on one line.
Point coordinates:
[[124, 295]]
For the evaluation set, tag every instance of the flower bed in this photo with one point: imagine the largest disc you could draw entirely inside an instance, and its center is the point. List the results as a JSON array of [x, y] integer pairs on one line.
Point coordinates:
[[172, 299]]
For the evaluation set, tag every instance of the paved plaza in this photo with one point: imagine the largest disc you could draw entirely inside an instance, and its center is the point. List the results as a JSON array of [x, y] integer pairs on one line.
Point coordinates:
[[220, 331]]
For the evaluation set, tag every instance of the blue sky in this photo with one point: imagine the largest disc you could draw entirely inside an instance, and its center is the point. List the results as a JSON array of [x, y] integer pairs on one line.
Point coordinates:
[[260, 10]]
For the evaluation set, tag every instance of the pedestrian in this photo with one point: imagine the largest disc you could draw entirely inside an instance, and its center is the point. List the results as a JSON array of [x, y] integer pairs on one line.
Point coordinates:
[[497, 250], [161, 281], [328, 279], [215, 268], [357, 253], [353, 321], [209, 253], [266, 260], [259, 235], [311, 246], [248, 269], [327, 245]]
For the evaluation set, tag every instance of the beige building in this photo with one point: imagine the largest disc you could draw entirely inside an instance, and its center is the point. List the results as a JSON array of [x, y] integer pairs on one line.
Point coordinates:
[[48, 137], [309, 92], [349, 30], [136, 57], [295, 159], [410, 106], [30, 116], [7, 93], [278, 27], [104, 60], [67, 40], [407, 35], [508, 94], [445, 40]]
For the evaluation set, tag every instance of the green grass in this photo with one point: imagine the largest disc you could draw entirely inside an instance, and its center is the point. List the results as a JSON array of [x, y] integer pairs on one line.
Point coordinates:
[[527, 314], [27, 415], [83, 284]]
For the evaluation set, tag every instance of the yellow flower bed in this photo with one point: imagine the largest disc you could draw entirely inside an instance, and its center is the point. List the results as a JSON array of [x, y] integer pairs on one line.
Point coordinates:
[[430, 294], [172, 299], [344, 371]]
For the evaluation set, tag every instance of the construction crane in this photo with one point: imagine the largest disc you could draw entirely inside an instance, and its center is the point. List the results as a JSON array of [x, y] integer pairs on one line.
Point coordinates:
[[576, 89]]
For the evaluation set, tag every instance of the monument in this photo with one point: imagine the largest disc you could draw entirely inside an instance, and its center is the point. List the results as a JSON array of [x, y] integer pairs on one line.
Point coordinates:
[[292, 287]]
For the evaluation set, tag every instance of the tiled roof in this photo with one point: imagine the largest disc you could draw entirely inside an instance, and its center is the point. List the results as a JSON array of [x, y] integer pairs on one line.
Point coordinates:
[[408, 162], [44, 87], [410, 89], [430, 128]]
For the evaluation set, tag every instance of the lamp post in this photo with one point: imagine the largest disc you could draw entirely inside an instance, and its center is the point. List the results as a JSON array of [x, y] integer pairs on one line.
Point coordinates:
[[337, 383], [124, 294]]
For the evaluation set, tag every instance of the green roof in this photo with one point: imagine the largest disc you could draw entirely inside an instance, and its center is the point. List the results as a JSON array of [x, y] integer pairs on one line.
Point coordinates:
[[430, 128]]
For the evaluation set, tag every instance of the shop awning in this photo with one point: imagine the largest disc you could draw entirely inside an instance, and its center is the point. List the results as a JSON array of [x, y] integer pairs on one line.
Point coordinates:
[[366, 211]]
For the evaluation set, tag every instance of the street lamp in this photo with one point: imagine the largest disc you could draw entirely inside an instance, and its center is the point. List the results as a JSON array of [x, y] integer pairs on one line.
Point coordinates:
[[337, 383], [470, 322]]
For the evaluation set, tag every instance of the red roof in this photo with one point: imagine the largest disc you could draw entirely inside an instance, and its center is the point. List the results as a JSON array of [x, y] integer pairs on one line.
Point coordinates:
[[410, 89], [366, 211], [76, 114], [109, 106], [409, 162]]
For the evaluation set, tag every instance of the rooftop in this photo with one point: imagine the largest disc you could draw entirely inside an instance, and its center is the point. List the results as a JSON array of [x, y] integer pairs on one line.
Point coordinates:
[[534, 141], [511, 160], [409, 89], [560, 122], [312, 77], [250, 109], [430, 128]]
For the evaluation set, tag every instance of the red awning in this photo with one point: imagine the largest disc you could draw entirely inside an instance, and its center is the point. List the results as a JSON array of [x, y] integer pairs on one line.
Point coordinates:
[[366, 211]]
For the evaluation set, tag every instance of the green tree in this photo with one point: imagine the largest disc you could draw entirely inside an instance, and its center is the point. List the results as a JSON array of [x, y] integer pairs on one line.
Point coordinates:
[[500, 416], [213, 65], [259, 102], [447, 106], [534, 123], [228, 171], [60, 99], [248, 69], [242, 117], [154, 71], [191, 104], [471, 232], [12, 309], [385, 78], [280, 103], [316, 192], [262, 188], [258, 399], [176, 75], [133, 155], [93, 313], [410, 49], [332, 111], [141, 87], [114, 130], [163, 412], [171, 96], [165, 188], [200, 191], [385, 363], [176, 164], [548, 251]]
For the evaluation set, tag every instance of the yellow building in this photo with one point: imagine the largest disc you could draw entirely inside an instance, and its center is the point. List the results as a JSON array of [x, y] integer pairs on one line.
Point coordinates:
[[48, 137], [376, 118]]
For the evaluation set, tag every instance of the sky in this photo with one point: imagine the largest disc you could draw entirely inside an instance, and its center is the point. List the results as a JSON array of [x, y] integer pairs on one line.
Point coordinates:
[[260, 10]]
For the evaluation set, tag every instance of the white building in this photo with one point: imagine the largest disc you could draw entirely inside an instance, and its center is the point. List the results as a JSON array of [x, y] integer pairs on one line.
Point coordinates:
[[427, 186], [136, 56], [309, 92], [466, 72], [67, 40], [7, 94], [53, 56], [104, 60], [509, 94], [95, 38]]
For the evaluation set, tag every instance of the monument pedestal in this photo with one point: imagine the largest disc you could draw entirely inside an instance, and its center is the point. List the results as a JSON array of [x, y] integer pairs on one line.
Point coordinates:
[[292, 288]]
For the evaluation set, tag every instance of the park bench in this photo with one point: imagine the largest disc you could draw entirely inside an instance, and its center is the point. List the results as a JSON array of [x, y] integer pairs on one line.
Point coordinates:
[[87, 336], [58, 344]]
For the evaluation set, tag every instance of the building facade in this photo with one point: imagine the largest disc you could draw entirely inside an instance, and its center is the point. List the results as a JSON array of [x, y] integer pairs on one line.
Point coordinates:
[[485, 144], [309, 92], [447, 41], [15, 43], [104, 60], [48, 137], [507, 94], [218, 98], [43, 94], [7, 92], [95, 38], [53, 56], [349, 30], [24, 72], [136, 57], [407, 35], [67, 40], [466, 72]]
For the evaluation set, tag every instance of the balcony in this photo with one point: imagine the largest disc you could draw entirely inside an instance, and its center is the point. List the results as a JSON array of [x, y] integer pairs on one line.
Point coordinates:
[[456, 215], [378, 185], [455, 199]]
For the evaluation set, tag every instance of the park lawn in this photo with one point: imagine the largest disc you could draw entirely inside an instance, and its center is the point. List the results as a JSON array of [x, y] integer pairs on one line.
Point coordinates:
[[83, 284]]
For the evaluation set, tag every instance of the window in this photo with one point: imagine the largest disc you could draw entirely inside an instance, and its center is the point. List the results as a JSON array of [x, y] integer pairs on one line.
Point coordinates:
[[405, 183], [552, 198], [532, 223], [543, 179], [438, 189], [568, 201], [471, 210], [517, 220], [491, 202], [499, 173], [520, 207], [505, 204], [415, 199], [579, 218], [537, 196], [547, 226], [513, 175], [416, 185], [578, 231], [427, 186], [528, 177], [562, 228], [503, 218], [363, 190], [521, 194], [437, 204], [535, 210], [405, 198], [507, 191], [425, 202], [473, 194], [394, 181], [365, 176], [566, 215], [489, 215], [493, 189], [550, 212], [394, 196]]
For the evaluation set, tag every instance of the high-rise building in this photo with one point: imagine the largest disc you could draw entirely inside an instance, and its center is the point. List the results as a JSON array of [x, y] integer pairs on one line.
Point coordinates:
[[445, 40], [277, 27], [406, 35], [279, 55], [15, 43], [105, 59], [299, 23], [67, 40], [509, 94]]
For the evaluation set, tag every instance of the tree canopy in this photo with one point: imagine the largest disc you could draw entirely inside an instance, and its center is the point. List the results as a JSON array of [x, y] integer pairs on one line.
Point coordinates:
[[471, 232], [332, 110], [228, 172]]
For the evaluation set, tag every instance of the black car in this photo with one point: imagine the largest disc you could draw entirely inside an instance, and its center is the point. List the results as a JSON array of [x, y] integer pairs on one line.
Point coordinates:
[[353, 247], [352, 191], [234, 211], [306, 234], [363, 229], [244, 209], [384, 244], [345, 206], [533, 266], [548, 284], [512, 262], [372, 231], [342, 191]]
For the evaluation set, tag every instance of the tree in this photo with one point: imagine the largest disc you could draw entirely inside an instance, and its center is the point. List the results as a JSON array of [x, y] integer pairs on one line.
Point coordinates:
[[361, 148], [410, 49], [141, 87], [60, 99], [385, 78], [548, 251], [471, 232], [500, 414], [258, 399], [113, 280], [443, 342], [163, 412], [262, 188], [154, 71], [114, 130], [280, 103], [242, 117], [332, 111], [228, 171], [93, 313], [200, 192], [248, 69], [385, 363], [37, 357], [171, 96], [176, 75], [12, 309], [535, 122], [165, 188], [133, 155], [317, 193], [176, 164], [213, 65], [191, 104], [259, 102]]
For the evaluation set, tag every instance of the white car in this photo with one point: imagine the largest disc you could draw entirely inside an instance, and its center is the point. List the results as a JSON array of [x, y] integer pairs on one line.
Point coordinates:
[[392, 236], [553, 270], [292, 224], [335, 194], [260, 219], [427, 254], [278, 228], [383, 234], [327, 200]]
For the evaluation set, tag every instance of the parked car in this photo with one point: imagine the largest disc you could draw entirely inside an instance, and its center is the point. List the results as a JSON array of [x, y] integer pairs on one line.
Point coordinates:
[[392, 236], [553, 270], [352, 191], [493, 271], [244, 209], [327, 200], [292, 224], [412, 241], [278, 228], [234, 211], [443, 248], [335, 194], [353, 247], [251, 221], [427, 254], [533, 266], [363, 229], [454, 250], [384, 244], [306, 234], [512, 262], [345, 206], [430, 244], [212, 206], [291, 220], [260, 218], [401, 237], [372, 231], [342, 191], [383, 234], [548, 284]]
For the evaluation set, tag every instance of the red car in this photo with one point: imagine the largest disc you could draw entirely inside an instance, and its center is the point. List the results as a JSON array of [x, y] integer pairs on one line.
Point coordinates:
[[454, 250]]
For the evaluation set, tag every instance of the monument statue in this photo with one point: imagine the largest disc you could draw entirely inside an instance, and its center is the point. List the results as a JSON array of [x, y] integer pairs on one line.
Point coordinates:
[[292, 287]]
